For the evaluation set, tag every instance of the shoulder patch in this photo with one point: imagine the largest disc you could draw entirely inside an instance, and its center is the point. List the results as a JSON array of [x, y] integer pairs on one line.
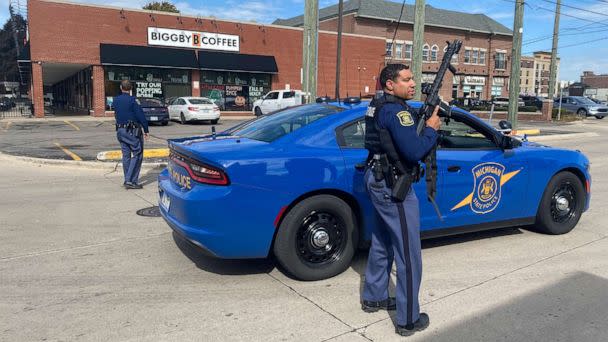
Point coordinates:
[[405, 118]]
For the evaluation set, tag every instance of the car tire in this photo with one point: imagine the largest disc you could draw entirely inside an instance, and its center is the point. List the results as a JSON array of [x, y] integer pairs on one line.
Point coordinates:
[[165, 123], [214, 122], [317, 238], [182, 118], [562, 204], [599, 117], [257, 111], [582, 112]]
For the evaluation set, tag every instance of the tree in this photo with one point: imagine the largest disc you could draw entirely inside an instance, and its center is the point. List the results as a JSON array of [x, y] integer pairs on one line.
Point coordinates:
[[164, 6], [8, 49]]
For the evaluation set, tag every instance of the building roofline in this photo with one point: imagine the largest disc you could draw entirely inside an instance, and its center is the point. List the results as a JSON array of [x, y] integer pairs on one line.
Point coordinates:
[[435, 25]]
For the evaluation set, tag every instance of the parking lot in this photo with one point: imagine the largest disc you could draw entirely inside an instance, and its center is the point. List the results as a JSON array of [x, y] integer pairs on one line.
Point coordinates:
[[69, 138]]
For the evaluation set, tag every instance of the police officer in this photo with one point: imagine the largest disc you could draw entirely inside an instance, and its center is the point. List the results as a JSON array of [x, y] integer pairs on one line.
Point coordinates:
[[130, 120], [394, 165]]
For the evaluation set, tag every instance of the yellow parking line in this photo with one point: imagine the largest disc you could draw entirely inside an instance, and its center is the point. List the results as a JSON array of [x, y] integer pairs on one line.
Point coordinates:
[[68, 152], [71, 124], [149, 153]]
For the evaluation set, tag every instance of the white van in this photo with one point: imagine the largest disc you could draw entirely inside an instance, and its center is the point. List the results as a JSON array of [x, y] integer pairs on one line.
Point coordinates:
[[276, 100]]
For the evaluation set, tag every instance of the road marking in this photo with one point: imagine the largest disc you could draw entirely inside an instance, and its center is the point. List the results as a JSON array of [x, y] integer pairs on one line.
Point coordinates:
[[525, 131], [71, 124], [68, 152], [8, 124], [149, 153]]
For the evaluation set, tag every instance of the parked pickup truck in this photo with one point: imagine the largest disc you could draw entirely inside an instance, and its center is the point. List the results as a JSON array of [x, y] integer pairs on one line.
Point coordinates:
[[276, 100]]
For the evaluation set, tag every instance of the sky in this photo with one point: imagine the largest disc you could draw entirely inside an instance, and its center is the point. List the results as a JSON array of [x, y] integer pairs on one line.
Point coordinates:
[[583, 43]]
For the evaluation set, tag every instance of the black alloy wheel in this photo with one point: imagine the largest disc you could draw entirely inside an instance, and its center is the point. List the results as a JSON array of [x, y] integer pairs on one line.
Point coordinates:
[[182, 119], [317, 238], [599, 117], [321, 239], [562, 204], [258, 111]]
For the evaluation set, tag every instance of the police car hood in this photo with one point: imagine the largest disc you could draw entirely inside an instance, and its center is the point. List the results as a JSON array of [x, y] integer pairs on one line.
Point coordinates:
[[221, 150]]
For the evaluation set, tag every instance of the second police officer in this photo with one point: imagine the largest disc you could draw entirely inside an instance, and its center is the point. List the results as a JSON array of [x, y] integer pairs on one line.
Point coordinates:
[[130, 120], [393, 166]]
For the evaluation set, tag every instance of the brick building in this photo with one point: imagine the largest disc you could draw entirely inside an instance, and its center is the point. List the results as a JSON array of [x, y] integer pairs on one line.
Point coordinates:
[[542, 69], [596, 86], [80, 52], [526, 80], [483, 64]]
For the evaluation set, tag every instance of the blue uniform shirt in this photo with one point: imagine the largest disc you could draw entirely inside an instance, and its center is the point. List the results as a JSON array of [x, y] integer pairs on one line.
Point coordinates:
[[126, 109], [401, 123]]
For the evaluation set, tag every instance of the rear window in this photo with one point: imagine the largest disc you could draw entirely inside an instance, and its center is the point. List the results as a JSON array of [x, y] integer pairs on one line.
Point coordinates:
[[199, 101], [147, 102], [271, 127]]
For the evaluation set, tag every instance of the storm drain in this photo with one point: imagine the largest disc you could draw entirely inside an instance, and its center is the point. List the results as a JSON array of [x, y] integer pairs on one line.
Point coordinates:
[[149, 212]]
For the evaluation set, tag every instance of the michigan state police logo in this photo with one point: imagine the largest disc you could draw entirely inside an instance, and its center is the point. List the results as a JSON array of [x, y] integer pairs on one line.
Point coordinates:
[[486, 187]]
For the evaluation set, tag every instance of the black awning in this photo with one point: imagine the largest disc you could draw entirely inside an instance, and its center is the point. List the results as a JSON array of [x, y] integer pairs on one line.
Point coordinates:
[[146, 56], [211, 60]]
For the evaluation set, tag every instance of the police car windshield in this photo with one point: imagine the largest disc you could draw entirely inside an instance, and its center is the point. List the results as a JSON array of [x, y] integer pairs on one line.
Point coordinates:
[[271, 127]]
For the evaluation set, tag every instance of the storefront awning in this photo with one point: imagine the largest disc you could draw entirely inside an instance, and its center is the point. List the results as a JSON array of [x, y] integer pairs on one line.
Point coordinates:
[[145, 56], [222, 61]]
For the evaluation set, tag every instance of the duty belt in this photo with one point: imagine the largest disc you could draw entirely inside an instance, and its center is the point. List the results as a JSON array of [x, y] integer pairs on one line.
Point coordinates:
[[129, 125]]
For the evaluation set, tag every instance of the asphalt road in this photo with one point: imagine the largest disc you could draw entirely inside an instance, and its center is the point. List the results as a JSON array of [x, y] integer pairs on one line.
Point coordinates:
[[78, 264], [55, 139]]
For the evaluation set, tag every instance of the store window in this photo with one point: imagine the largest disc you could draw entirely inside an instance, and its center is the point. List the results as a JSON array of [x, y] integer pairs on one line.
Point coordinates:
[[156, 83], [234, 91], [496, 90]]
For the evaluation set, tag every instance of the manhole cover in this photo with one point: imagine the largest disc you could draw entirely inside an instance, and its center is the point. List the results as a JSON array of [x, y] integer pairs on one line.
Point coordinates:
[[149, 212]]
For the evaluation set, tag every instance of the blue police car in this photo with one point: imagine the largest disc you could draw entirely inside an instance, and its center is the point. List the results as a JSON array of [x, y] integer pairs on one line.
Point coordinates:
[[291, 184]]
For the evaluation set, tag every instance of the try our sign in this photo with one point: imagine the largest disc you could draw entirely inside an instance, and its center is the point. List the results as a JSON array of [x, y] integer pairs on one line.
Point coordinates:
[[192, 39]]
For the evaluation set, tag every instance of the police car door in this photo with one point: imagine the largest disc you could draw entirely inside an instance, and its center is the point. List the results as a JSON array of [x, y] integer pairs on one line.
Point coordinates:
[[481, 183]]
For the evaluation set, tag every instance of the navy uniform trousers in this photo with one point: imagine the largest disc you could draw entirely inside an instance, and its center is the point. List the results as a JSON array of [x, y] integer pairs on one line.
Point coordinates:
[[397, 236], [132, 148]]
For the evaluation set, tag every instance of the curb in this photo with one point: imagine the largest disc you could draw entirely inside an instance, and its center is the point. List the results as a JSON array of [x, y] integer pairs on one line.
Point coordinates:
[[98, 165], [563, 136], [149, 153]]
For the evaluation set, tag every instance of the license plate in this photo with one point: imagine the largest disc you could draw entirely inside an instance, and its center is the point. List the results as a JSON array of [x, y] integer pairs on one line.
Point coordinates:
[[165, 201], [154, 118]]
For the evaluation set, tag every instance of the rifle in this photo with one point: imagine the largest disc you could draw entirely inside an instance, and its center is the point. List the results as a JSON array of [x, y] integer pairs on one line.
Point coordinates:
[[433, 100]]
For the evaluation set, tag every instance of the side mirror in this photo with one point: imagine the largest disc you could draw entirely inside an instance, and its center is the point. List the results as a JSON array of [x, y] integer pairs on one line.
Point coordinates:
[[506, 143]]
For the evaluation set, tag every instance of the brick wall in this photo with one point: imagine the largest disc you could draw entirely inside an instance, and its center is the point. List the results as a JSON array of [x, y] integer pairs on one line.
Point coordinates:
[[37, 90], [99, 94]]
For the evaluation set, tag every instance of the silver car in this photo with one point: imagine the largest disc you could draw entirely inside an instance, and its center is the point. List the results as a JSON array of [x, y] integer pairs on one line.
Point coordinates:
[[582, 106]]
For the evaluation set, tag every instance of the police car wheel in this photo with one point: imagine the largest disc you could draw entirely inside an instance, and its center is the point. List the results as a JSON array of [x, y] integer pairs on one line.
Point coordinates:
[[317, 238], [561, 205]]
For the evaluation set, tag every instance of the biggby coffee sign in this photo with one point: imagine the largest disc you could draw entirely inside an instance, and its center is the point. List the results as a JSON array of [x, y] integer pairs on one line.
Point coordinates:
[[192, 39]]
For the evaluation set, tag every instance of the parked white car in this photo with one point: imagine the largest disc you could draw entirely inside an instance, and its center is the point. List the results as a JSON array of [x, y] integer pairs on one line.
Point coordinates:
[[276, 100], [187, 109]]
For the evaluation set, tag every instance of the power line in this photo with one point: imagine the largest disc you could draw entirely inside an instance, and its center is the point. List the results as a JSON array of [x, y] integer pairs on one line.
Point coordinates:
[[577, 44], [577, 8]]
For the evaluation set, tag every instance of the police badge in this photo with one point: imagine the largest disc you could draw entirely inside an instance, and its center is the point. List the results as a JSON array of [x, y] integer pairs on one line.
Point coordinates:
[[486, 187]]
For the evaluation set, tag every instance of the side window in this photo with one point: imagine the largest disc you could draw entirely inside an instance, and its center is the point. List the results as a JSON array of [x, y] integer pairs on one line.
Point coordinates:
[[352, 135], [459, 135], [181, 102], [289, 94], [272, 96]]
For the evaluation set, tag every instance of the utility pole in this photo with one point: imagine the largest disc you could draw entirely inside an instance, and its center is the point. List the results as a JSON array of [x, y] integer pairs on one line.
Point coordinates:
[[309, 49], [339, 52], [553, 67], [417, 48], [518, 29]]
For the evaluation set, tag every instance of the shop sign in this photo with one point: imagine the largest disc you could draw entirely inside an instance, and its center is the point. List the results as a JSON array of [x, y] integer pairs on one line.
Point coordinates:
[[498, 81], [428, 78], [474, 80], [148, 89], [193, 39]]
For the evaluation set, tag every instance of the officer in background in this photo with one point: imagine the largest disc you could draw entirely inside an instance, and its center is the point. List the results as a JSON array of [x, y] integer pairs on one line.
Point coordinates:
[[393, 166], [130, 120]]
